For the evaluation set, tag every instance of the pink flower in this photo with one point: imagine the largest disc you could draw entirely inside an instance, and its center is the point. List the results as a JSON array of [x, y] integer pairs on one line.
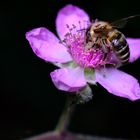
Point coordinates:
[[77, 68]]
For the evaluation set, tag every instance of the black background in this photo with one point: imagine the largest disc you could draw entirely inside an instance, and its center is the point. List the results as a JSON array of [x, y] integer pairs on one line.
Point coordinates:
[[29, 102]]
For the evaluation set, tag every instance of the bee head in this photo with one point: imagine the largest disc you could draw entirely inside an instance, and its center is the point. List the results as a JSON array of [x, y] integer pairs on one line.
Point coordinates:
[[99, 27]]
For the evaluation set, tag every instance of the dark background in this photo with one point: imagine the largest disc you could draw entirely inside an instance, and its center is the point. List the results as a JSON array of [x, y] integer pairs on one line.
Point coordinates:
[[29, 102]]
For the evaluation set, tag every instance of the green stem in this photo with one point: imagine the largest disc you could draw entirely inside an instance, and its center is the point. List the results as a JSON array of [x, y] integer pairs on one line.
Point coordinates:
[[66, 115]]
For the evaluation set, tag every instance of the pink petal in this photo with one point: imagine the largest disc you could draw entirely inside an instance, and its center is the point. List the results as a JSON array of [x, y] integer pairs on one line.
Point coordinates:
[[71, 15], [64, 135], [46, 46], [69, 79], [119, 83], [134, 45]]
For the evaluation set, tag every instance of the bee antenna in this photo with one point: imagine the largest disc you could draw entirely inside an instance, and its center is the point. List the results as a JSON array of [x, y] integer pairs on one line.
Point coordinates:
[[81, 30], [93, 21], [96, 20]]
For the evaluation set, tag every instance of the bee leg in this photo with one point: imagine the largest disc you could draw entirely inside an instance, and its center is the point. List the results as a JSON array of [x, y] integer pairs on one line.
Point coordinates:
[[97, 38], [105, 56], [104, 46], [96, 43], [118, 65], [88, 45]]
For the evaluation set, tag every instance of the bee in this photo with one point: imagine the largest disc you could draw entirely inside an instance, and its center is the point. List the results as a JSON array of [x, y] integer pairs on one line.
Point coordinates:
[[106, 36]]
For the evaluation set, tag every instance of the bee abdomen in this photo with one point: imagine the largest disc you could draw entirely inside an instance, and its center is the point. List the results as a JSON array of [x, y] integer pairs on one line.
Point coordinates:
[[121, 48]]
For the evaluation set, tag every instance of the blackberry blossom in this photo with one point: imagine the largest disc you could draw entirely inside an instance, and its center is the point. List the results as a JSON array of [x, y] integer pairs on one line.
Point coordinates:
[[78, 66]]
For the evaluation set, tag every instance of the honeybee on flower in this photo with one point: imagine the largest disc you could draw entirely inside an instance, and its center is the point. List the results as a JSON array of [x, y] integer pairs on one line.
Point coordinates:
[[80, 64]]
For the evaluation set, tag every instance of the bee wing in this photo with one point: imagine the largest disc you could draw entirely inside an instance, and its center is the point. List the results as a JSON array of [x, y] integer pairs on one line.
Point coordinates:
[[122, 22]]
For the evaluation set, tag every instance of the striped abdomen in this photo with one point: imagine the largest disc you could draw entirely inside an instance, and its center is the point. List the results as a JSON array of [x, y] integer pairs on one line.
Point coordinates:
[[120, 46]]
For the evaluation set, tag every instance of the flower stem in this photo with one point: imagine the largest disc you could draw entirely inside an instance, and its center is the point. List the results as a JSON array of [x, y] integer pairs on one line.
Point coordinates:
[[66, 115]]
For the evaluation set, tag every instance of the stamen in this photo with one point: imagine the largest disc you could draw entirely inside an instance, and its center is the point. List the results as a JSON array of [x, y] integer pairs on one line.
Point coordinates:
[[88, 58], [80, 25]]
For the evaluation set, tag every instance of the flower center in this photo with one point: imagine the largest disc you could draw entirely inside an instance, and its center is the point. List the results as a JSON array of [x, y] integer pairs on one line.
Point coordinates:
[[88, 58]]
